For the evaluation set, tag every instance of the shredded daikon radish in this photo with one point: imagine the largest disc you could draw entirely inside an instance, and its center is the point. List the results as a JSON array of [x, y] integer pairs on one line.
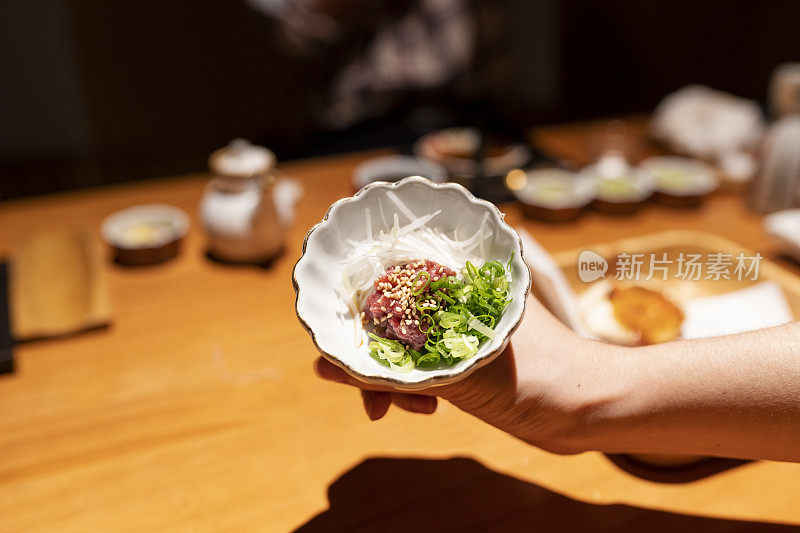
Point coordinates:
[[383, 217], [421, 221], [401, 206], [480, 233], [347, 295], [415, 240], [471, 242]]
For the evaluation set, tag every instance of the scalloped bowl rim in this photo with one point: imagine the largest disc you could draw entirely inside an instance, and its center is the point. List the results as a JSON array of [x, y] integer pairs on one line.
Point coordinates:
[[460, 370]]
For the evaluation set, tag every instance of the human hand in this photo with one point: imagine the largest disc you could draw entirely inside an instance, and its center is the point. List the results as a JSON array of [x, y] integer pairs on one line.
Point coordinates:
[[541, 389]]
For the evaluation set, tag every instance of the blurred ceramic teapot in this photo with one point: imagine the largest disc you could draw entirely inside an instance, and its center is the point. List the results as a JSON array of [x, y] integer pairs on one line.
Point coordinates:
[[246, 208]]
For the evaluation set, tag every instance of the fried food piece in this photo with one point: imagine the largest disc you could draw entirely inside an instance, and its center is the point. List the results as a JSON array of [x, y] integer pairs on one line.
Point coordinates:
[[648, 313]]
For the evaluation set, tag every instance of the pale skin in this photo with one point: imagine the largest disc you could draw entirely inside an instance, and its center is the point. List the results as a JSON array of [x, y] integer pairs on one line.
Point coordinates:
[[733, 396]]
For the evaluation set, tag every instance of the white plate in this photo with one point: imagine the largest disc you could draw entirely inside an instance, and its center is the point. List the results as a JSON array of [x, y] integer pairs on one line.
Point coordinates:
[[319, 271]]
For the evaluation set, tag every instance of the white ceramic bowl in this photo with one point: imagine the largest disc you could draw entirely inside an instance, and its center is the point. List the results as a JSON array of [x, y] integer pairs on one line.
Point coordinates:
[[437, 146], [174, 221], [145, 234], [642, 184], [699, 178], [319, 271], [538, 180]]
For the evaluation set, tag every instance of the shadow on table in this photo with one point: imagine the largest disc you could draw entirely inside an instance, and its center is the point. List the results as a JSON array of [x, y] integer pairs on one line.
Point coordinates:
[[460, 494], [703, 468], [266, 264]]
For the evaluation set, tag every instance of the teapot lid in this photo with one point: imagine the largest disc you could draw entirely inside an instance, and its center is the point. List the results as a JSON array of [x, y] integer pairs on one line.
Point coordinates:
[[241, 159]]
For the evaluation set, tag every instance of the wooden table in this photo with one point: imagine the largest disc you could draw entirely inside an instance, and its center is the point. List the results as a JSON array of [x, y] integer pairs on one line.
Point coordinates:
[[198, 409]]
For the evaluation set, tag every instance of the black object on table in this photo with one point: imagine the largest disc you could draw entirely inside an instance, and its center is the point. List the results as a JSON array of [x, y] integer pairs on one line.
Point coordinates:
[[6, 342]]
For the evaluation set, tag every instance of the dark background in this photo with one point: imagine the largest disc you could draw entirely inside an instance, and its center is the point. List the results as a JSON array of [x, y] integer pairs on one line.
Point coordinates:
[[99, 91]]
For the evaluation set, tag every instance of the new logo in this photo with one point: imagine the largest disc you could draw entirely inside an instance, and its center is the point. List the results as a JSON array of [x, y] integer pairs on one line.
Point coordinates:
[[591, 266]]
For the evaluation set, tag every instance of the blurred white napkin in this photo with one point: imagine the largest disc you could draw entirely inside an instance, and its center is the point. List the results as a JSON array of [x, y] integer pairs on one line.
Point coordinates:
[[549, 281], [760, 306]]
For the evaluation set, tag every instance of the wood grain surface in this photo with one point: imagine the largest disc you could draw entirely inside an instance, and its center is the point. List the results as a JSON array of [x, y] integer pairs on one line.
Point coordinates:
[[198, 410]]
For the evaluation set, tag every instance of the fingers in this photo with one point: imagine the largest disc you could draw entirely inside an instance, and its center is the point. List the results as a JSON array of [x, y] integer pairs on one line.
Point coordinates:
[[376, 403], [415, 403], [327, 370], [330, 372], [376, 399]]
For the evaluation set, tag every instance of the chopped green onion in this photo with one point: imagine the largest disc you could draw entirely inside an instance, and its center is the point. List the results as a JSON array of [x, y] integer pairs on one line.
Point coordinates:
[[429, 359], [492, 270], [482, 328], [465, 313], [449, 320], [420, 290], [460, 346], [438, 283], [445, 297]]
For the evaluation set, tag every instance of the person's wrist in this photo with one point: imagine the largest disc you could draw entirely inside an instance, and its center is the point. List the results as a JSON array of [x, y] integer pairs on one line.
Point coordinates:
[[562, 397], [598, 397]]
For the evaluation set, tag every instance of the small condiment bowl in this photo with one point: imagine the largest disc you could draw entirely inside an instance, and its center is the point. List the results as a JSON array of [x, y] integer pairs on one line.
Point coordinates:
[[318, 273], [619, 194], [552, 194], [455, 149], [680, 181], [145, 234], [396, 167]]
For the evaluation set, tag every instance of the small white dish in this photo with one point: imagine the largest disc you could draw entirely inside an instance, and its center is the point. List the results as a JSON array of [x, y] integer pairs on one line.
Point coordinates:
[[681, 176], [618, 189], [319, 271], [554, 188], [552, 194], [145, 234], [785, 226], [639, 185], [395, 167], [454, 148]]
